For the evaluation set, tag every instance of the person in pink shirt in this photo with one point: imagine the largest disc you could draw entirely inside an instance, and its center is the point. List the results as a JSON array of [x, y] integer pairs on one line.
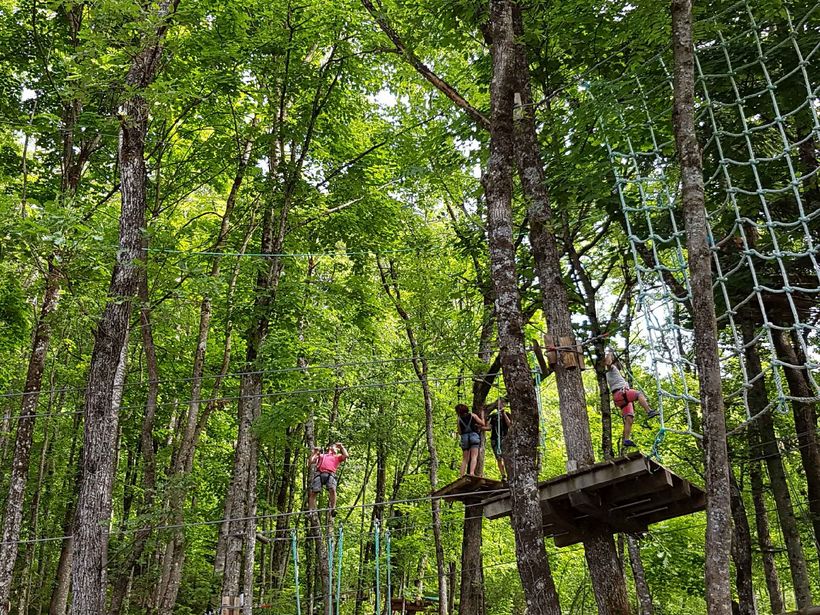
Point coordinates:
[[324, 473]]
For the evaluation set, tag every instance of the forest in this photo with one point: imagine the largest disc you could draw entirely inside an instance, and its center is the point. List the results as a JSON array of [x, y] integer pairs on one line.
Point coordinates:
[[344, 307]]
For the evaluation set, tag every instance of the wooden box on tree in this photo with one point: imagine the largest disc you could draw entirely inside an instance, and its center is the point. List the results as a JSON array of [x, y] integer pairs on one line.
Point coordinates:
[[564, 349]]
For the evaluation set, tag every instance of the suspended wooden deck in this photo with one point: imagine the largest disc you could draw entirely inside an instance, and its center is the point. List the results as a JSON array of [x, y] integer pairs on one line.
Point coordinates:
[[622, 495], [471, 489]]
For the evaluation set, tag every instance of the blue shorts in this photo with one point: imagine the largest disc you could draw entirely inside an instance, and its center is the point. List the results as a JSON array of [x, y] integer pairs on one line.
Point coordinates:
[[470, 440]]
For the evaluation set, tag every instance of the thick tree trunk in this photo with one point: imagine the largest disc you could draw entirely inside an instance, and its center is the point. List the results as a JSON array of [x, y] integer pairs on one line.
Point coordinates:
[[805, 422], [89, 559], [533, 566], [23, 441], [605, 568], [742, 553], [718, 507], [149, 471], [764, 541], [89, 572], [766, 448]]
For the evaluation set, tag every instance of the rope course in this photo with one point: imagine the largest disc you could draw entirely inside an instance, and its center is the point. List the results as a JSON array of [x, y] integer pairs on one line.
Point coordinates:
[[757, 115]]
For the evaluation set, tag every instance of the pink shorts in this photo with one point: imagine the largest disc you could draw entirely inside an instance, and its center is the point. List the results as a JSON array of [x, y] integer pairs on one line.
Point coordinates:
[[623, 398]]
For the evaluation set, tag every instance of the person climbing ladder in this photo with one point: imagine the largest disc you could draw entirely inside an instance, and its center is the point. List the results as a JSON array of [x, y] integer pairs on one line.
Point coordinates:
[[624, 396], [498, 425], [325, 466], [469, 427]]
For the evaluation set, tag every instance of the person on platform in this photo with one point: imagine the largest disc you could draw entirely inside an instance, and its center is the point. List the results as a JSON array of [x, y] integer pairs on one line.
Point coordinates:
[[470, 426], [623, 395], [498, 424]]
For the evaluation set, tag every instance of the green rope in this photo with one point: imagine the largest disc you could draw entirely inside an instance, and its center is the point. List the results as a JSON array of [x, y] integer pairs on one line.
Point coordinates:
[[378, 577], [389, 579], [340, 551], [330, 559], [296, 570], [659, 438]]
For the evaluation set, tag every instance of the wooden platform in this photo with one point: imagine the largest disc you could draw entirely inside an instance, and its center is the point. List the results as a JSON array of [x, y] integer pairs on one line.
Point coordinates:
[[471, 489], [402, 605], [623, 495]]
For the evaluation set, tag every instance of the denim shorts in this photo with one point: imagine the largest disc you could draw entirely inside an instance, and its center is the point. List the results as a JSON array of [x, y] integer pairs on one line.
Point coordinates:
[[470, 440]]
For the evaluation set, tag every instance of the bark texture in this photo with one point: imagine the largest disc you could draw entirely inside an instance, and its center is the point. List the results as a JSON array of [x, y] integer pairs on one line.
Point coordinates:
[[805, 420], [89, 575], [764, 541], [718, 507], [605, 568], [742, 553], [764, 446], [533, 565], [23, 440]]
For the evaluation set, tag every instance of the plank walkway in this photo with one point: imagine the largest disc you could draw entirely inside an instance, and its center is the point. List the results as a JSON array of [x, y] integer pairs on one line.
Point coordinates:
[[471, 489], [626, 494]]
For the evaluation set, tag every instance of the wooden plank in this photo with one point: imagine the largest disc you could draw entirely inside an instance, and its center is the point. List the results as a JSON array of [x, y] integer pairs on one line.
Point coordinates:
[[469, 487], [230, 605], [670, 510], [637, 488]]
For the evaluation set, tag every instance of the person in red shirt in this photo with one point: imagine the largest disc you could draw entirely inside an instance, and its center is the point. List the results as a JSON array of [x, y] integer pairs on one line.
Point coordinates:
[[324, 473]]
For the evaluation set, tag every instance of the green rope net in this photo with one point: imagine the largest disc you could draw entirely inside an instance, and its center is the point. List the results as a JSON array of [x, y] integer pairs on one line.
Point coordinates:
[[758, 124]]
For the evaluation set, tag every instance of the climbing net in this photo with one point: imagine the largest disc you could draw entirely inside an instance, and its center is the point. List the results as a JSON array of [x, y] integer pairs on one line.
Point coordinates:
[[757, 115]]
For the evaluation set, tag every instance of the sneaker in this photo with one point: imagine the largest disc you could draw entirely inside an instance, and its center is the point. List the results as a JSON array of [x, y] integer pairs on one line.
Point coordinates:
[[629, 444], [652, 414]]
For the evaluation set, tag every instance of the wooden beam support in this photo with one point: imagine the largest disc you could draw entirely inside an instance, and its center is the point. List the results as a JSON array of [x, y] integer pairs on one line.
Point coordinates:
[[591, 505]]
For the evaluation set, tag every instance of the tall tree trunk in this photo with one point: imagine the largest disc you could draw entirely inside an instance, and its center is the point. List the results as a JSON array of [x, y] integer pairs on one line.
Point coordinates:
[[764, 541], [742, 552], [767, 448], [24, 438], [605, 568], [283, 506], [92, 516], [234, 534], [149, 470], [805, 422], [718, 507], [533, 566], [89, 573], [645, 605]]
